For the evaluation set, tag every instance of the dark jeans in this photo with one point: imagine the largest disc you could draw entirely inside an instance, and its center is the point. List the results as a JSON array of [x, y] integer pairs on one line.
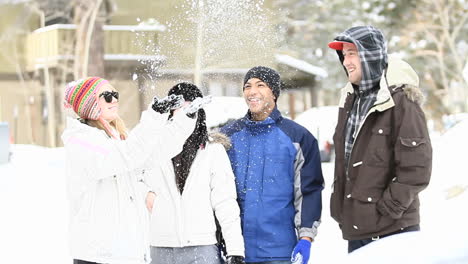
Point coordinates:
[[355, 244], [79, 261]]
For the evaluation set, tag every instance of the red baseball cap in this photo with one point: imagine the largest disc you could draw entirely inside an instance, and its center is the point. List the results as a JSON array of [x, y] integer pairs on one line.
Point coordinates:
[[337, 45]]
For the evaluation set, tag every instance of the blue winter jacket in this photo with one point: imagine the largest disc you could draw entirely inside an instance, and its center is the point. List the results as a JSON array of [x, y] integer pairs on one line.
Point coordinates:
[[279, 183]]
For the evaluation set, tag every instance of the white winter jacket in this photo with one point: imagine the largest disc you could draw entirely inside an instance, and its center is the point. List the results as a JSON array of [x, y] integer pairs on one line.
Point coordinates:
[[188, 219], [108, 217]]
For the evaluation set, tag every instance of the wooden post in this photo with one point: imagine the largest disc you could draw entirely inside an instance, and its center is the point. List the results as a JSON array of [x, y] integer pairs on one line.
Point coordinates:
[[304, 100], [51, 125], [197, 75], [292, 109], [94, 34]]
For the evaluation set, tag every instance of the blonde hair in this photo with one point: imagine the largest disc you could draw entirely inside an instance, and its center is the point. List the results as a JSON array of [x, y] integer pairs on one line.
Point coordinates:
[[118, 124]]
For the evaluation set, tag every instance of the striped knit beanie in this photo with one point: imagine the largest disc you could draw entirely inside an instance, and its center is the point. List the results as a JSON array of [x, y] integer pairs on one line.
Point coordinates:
[[82, 96]]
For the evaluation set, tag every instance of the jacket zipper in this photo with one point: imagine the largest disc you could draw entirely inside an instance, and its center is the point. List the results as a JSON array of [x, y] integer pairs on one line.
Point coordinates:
[[348, 113]]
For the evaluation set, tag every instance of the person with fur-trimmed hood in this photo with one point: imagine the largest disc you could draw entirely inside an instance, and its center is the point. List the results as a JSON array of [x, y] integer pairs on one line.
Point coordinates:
[[382, 144], [192, 190]]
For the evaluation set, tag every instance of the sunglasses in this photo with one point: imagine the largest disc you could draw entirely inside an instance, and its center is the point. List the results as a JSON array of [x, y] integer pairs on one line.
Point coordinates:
[[108, 95]]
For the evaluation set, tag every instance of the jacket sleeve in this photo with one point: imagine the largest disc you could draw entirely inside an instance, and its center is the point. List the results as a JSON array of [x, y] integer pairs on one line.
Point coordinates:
[[308, 186], [107, 157], [413, 160], [224, 203]]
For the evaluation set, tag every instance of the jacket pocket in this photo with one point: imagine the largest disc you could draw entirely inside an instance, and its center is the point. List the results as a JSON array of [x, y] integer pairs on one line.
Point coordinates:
[[379, 151], [277, 244], [156, 201], [277, 176], [364, 214], [414, 152], [160, 202]]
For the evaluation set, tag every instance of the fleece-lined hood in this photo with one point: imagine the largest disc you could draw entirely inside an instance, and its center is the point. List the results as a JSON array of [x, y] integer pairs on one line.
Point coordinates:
[[399, 74], [372, 49]]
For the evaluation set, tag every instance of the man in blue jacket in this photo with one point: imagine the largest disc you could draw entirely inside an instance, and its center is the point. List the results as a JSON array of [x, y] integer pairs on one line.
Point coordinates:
[[278, 176]]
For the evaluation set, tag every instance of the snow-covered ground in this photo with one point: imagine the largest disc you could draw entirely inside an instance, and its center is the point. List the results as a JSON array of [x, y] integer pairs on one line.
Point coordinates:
[[444, 232], [34, 218], [33, 204]]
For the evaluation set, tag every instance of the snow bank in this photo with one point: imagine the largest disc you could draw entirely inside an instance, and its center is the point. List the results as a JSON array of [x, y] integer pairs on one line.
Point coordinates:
[[320, 121], [34, 219], [444, 233]]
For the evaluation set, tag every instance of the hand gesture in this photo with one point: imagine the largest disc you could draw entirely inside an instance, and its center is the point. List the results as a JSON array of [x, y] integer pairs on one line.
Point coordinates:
[[196, 104], [150, 201], [167, 103]]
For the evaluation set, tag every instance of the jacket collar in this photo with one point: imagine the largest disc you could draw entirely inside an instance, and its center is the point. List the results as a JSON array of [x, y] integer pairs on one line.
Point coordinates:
[[274, 117], [383, 101], [398, 73], [74, 127]]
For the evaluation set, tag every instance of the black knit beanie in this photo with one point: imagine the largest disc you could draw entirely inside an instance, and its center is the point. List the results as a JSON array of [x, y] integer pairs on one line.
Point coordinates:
[[267, 75]]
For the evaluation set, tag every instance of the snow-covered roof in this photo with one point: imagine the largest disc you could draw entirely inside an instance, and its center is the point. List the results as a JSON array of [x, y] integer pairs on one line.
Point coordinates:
[[132, 28], [301, 65], [4, 2], [133, 57], [135, 27], [241, 71], [55, 26], [40, 62], [280, 58]]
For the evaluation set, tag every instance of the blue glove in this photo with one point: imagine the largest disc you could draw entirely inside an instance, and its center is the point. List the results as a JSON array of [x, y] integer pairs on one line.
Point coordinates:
[[301, 252]]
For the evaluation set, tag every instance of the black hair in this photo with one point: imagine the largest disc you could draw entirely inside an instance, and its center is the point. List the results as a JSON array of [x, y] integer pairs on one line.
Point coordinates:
[[183, 161]]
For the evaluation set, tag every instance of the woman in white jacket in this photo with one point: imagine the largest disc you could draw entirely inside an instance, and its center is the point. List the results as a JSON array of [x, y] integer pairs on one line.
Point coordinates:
[[191, 189], [108, 218]]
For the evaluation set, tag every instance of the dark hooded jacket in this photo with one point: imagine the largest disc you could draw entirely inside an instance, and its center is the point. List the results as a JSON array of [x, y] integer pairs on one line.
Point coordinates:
[[376, 192], [370, 44]]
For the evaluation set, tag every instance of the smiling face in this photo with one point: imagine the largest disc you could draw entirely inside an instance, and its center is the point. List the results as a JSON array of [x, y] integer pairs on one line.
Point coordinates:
[[260, 99], [352, 63], [109, 111]]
